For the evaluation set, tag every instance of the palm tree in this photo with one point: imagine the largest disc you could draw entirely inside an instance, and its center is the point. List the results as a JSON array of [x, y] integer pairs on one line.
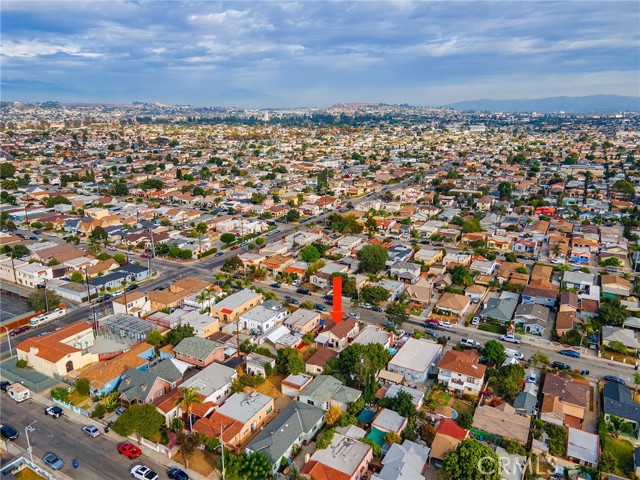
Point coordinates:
[[189, 397], [201, 297], [586, 328]]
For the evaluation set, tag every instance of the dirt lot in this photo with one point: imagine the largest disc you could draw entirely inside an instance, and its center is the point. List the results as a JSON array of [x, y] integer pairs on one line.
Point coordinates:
[[202, 462], [272, 388]]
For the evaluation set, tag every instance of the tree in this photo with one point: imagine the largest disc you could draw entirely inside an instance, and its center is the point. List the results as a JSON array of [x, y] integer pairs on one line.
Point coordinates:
[[189, 397], [309, 254], [473, 460], [83, 386], [372, 258], [471, 226], [505, 190], [57, 200], [494, 350], [256, 466], [402, 404], [99, 234], [460, 275], [143, 420], [374, 294], [20, 251], [538, 359], [120, 189], [176, 335], [613, 312], [290, 361], [377, 450], [7, 170], [293, 215], [510, 257], [392, 437], [232, 264], [257, 198], [307, 305], [77, 277], [626, 188], [507, 380], [151, 184], [396, 313], [611, 262], [465, 420], [155, 338], [227, 238], [36, 300], [333, 415], [188, 443]]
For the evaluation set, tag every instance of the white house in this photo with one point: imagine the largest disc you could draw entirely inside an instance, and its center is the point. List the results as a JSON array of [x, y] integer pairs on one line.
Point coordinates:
[[415, 359], [262, 318]]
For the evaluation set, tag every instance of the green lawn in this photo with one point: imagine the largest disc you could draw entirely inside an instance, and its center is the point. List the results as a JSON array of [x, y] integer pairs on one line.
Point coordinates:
[[461, 407], [438, 398], [492, 328], [76, 399], [623, 451]]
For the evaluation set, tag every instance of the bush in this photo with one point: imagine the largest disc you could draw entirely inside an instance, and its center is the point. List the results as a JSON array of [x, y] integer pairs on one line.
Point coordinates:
[[618, 347], [60, 393], [99, 411], [325, 439], [22, 363], [83, 386]]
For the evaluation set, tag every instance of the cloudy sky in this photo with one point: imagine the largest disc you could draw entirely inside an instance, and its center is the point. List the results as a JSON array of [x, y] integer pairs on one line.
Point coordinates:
[[316, 53]]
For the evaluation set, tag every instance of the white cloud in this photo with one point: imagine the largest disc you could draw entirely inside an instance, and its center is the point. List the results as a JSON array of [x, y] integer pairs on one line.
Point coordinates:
[[35, 48]]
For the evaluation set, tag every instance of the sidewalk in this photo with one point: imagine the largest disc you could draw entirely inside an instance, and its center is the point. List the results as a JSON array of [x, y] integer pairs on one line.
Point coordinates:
[[16, 451], [82, 420]]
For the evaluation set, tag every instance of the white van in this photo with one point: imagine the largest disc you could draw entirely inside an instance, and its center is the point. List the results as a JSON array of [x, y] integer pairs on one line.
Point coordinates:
[[18, 392], [511, 353]]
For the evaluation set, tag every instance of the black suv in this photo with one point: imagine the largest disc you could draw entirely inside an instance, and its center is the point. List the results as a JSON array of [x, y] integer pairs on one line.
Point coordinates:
[[303, 291], [7, 431], [560, 366]]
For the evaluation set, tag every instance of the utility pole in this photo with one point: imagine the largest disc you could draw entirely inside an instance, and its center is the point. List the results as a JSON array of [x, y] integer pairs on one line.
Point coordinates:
[[46, 300], [93, 311], [28, 429]]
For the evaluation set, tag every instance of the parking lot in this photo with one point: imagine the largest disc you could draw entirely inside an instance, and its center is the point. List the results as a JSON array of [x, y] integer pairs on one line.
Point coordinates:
[[11, 306]]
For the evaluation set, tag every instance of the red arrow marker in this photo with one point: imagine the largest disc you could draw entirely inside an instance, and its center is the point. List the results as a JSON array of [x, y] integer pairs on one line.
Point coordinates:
[[337, 312]]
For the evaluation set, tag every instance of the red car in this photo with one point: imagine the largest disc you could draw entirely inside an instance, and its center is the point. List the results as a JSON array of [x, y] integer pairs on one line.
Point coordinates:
[[19, 330], [235, 247], [144, 255], [129, 450]]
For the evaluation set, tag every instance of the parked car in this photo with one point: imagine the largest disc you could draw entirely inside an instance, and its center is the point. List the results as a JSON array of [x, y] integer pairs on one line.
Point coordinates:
[[354, 315], [532, 378], [235, 247], [100, 299], [132, 287], [219, 254], [511, 338], [142, 472], [275, 285], [303, 291], [177, 474], [120, 410], [53, 460], [107, 296], [90, 431], [570, 353], [19, 330], [113, 249], [389, 325], [37, 232], [292, 301], [319, 307], [469, 342], [129, 450], [475, 321], [614, 379], [54, 411], [446, 324], [144, 255], [560, 366], [4, 385], [400, 333], [296, 283], [8, 432], [375, 308], [434, 324]]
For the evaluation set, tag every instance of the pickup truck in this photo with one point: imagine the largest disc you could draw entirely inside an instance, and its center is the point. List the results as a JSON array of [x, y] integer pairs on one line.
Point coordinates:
[[468, 342], [510, 352], [509, 338]]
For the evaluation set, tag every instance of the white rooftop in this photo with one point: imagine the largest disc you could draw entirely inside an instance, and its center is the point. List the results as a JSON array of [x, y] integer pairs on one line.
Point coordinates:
[[416, 355]]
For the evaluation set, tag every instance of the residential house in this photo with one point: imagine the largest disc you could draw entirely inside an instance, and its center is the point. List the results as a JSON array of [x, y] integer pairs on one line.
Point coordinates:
[[213, 382], [241, 416], [533, 318], [460, 371], [416, 359], [374, 334], [391, 391], [325, 391], [337, 336], [394, 287], [229, 309], [614, 286], [501, 309], [453, 304], [316, 363], [485, 267], [303, 321], [135, 303], [583, 447], [199, 351], [618, 402], [263, 318], [344, 459], [59, 352], [177, 293], [577, 280], [564, 399], [293, 385], [428, 256], [545, 295], [296, 423], [145, 385], [526, 401], [448, 436], [388, 421], [322, 277], [421, 292], [405, 271], [256, 364], [502, 421], [203, 325], [404, 462], [629, 338]]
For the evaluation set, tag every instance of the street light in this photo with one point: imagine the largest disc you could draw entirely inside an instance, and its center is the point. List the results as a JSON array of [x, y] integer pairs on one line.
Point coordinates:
[[28, 429], [8, 340], [222, 448]]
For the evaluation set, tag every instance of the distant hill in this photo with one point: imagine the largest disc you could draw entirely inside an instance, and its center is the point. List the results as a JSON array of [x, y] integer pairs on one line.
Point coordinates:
[[588, 104]]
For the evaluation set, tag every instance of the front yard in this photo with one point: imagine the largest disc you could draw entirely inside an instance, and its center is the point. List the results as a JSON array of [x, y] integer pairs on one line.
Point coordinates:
[[622, 450], [438, 398]]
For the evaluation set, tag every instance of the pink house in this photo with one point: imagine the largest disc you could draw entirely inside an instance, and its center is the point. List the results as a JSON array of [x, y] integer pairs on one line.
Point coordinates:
[[199, 351], [345, 459], [143, 386]]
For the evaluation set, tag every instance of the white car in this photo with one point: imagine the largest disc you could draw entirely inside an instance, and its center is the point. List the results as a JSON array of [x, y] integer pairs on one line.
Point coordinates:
[[511, 338], [354, 315], [367, 305], [475, 321], [446, 324], [142, 472], [296, 283], [117, 294], [400, 333], [532, 378], [90, 431]]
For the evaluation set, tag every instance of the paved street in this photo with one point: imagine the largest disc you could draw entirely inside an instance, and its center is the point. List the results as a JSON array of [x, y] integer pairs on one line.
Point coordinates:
[[98, 457]]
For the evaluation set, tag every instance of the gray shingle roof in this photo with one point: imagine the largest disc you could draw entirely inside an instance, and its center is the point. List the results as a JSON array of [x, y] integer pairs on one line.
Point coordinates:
[[325, 387], [619, 402], [136, 383], [276, 438], [196, 347]]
